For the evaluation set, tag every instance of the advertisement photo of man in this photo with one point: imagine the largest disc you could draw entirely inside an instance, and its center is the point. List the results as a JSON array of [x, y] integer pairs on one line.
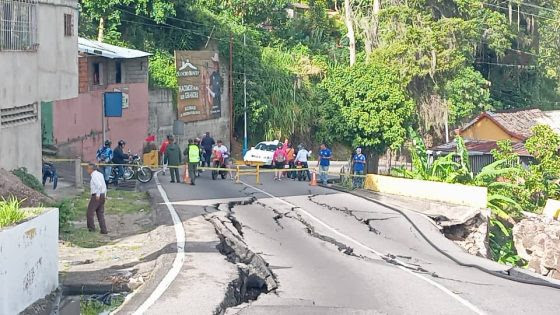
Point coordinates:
[[215, 87]]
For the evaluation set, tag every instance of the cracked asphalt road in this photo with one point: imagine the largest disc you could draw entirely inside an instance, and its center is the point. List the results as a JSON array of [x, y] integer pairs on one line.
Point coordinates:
[[335, 253]]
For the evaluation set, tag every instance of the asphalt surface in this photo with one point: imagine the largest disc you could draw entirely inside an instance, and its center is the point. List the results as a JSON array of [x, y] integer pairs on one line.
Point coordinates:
[[331, 253]]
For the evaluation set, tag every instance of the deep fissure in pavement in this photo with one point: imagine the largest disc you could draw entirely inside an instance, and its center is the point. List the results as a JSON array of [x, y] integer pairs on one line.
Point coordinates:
[[254, 274]]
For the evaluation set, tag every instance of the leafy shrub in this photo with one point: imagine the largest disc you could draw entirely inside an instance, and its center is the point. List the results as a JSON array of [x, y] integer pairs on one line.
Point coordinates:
[[10, 212], [65, 214], [28, 179], [501, 245]]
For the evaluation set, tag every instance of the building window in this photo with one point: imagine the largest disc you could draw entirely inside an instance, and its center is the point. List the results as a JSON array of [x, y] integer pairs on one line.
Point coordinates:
[[18, 115], [68, 25], [118, 72], [97, 73], [18, 25]]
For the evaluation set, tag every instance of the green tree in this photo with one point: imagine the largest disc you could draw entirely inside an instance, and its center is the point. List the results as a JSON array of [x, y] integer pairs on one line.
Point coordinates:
[[366, 105]]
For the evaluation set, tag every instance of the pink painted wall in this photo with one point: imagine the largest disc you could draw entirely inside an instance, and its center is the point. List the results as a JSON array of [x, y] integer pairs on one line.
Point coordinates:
[[77, 122]]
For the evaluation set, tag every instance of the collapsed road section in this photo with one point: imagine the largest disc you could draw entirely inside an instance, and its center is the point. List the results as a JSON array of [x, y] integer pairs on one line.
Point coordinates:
[[255, 276]]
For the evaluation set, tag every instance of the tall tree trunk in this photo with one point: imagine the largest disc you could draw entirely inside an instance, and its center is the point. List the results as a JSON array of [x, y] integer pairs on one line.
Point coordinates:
[[349, 21], [101, 29]]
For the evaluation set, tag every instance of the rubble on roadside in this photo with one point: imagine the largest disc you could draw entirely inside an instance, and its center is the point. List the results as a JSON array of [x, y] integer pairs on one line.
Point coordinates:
[[538, 241]]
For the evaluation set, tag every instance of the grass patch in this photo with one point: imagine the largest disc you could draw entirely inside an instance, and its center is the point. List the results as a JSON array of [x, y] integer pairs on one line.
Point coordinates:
[[92, 307], [82, 237], [74, 209], [11, 214]]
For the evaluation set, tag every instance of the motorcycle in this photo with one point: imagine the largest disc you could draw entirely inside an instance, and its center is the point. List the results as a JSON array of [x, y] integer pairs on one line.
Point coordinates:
[[49, 172], [134, 167], [219, 161], [302, 175]]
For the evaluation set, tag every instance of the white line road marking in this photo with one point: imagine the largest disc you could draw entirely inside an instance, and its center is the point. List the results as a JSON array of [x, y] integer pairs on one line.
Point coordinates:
[[179, 258], [466, 303]]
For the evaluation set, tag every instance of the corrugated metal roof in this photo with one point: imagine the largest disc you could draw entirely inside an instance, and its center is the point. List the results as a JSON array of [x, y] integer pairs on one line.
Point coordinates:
[[109, 51]]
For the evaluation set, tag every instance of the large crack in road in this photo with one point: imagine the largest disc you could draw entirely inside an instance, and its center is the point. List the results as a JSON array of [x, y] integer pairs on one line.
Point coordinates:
[[254, 275]]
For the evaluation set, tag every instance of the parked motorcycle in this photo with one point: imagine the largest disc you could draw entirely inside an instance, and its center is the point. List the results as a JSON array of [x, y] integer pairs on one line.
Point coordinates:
[[49, 172], [134, 168], [219, 161], [302, 175]]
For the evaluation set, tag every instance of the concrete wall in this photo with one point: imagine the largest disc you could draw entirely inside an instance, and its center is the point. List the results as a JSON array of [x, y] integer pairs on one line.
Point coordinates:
[[162, 115], [457, 194], [28, 262], [48, 74], [78, 122]]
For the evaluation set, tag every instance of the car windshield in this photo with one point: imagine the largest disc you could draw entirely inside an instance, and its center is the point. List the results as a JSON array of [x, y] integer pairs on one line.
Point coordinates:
[[265, 147]]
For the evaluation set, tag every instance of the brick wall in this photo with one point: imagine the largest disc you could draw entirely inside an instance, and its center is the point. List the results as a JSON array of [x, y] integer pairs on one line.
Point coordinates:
[[83, 78]]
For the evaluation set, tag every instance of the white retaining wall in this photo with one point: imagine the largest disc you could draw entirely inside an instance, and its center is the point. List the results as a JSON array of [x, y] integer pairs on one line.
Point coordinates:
[[28, 262], [464, 195]]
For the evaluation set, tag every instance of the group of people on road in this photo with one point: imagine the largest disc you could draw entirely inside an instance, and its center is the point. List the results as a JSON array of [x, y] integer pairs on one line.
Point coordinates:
[[198, 152], [286, 161]]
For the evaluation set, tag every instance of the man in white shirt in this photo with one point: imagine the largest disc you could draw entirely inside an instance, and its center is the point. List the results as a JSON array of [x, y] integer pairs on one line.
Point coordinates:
[[96, 204], [301, 157], [221, 147]]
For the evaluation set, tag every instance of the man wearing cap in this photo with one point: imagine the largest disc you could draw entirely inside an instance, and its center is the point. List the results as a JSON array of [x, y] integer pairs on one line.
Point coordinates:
[[215, 87]]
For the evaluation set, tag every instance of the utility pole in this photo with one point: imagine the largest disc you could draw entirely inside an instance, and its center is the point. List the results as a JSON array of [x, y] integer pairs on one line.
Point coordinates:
[[244, 97], [231, 121]]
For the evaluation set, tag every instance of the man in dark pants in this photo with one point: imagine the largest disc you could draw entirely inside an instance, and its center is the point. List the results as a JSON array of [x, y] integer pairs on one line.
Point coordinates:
[[173, 159], [96, 204], [192, 153], [207, 144]]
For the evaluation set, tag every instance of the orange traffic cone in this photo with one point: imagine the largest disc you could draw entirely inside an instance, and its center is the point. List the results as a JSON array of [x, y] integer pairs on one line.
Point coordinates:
[[313, 179], [186, 178]]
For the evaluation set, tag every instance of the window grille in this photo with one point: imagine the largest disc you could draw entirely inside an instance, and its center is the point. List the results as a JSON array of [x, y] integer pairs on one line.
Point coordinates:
[[18, 115], [18, 25], [68, 25]]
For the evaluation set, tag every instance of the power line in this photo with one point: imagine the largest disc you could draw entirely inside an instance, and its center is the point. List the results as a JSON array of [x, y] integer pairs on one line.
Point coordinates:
[[532, 14]]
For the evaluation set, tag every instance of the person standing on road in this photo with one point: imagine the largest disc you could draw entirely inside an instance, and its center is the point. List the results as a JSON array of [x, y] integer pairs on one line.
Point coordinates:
[[105, 156], [96, 205], [173, 159], [301, 157], [162, 149], [279, 158], [359, 163], [192, 153], [207, 144], [290, 157], [325, 155]]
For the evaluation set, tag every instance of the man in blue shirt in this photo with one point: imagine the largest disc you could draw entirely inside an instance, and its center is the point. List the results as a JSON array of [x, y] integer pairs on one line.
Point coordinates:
[[325, 155], [359, 162]]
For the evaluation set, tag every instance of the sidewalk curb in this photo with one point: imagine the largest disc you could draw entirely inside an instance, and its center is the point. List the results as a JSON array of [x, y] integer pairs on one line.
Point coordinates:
[[163, 263]]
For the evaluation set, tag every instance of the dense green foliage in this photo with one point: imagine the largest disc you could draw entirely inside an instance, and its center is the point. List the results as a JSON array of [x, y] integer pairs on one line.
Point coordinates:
[[447, 59]]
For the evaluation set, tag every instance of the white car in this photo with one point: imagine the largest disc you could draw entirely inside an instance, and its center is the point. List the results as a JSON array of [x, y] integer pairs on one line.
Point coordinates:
[[261, 153]]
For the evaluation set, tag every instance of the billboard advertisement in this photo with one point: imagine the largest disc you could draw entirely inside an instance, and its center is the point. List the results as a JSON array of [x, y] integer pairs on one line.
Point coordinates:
[[201, 90]]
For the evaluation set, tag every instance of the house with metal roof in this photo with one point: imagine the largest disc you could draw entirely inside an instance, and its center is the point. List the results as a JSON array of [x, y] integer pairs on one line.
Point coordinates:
[[482, 134], [76, 125]]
